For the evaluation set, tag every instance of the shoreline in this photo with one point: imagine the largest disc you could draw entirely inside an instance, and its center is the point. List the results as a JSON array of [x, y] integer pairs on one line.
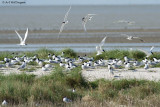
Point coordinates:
[[78, 36], [80, 40], [82, 31]]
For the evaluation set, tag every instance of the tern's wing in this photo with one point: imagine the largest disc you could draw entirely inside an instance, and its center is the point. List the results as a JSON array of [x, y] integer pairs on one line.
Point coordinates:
[[103, 41], [151, 48], [84, 26], [65, 18], [138, 38], [26, 34], [99, 50], [61, 29], [91, 14], [19, 36], [147, 53]]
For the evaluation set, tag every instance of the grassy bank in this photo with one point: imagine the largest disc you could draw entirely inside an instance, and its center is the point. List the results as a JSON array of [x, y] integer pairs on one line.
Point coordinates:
[[48, 91], [111, 54], [28, 90]]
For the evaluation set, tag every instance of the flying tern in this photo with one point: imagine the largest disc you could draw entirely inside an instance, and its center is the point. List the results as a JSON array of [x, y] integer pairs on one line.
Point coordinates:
[[85, 19], [65, 21], [99, 47], [148, 53], [22, 41], [133, 37]]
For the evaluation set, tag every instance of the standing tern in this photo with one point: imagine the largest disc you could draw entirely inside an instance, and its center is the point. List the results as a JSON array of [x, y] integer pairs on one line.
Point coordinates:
[[22, 41], [65, 21], [85, 20]]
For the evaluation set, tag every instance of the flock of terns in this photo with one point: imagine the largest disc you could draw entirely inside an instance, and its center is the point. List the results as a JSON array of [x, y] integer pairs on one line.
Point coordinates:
[[85, 19], [83, 61], [86, 63]]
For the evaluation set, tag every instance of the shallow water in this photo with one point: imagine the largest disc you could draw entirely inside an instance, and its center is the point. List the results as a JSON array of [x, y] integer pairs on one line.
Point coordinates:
[[50, 17], [83, 48]]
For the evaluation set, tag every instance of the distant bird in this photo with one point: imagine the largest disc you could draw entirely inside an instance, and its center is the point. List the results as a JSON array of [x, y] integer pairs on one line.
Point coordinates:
[[110, 69], [48, 66], [4, 103], [125, 21], [65, 21], [126, 59], [66, 100], [83, 67], [23, 65], [132, 37], [99, 47], [85, 19], [146, 66], [127, 66], [74, 90], [22, 41], [8, 64], [61, 64], [44, 68]]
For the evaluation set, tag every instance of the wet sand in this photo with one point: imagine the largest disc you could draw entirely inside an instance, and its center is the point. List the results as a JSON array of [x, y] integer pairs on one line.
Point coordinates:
[[153, 36]]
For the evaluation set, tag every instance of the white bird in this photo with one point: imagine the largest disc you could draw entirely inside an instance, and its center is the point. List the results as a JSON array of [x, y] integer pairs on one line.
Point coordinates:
[[83, 67], [133, 37], [44, 68], [8, 64], [22, 41], [126, 59], [125, 21], [156, 60], [146, 66], [65, 21], [48, 66], [74, 90], [4, 103], [85, 20], [99, 47], [148, 53], [23, 65], [61, 64], [127, 66], [110, 69], [66, 100]]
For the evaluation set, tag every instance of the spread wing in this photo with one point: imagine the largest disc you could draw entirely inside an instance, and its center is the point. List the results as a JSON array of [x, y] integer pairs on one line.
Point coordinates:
[[151, 48], [147, 53], [26, 34], [61, 29], [84, 26], [103, 41], [19, 36], [138, 38], [65, 18]]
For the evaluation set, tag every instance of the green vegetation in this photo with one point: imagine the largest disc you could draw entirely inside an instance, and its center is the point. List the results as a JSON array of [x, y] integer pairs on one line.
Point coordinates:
[[113, 54], [69, 53], [41, 53], [5, 54], [49, 90]]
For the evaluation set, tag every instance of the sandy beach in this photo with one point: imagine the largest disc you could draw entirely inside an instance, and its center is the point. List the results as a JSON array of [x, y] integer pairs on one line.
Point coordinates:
[[152, 74]]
